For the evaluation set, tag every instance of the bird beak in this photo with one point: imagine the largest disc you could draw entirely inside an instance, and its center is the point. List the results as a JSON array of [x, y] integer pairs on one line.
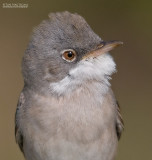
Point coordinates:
[[104, 47]]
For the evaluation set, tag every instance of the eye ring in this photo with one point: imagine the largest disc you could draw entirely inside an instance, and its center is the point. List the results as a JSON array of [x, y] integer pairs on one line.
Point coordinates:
[[69, 55]]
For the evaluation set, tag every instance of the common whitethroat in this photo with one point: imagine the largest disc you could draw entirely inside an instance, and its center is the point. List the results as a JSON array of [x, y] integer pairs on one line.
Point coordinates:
[[67, 110]]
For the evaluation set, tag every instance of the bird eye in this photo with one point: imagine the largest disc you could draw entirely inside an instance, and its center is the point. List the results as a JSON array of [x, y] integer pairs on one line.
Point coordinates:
[[69, 55]]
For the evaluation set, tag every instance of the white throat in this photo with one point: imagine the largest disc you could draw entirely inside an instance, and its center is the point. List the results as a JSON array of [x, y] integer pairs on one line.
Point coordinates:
[[96, 71]]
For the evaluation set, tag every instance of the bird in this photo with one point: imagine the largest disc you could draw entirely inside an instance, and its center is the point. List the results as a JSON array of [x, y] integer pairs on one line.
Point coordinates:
[[67, 109]]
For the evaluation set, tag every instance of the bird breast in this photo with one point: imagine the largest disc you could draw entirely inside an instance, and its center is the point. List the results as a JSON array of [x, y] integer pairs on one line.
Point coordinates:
[[82, 119]]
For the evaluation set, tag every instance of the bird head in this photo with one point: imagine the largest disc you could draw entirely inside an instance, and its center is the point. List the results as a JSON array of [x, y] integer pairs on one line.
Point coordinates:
[[64, 53]]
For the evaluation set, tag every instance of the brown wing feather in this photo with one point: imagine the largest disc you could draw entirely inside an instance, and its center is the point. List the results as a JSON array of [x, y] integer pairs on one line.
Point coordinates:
[[18, 134], [119, 122]]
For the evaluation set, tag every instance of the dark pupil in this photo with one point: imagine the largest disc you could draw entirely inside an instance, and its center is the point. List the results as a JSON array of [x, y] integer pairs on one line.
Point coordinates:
[[70, 54]]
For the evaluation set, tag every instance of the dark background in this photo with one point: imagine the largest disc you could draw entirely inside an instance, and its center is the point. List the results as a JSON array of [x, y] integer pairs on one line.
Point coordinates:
[[129, 21]]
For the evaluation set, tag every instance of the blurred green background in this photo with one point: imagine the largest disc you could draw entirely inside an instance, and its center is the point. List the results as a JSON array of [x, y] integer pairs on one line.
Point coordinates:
[[127, 20]]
